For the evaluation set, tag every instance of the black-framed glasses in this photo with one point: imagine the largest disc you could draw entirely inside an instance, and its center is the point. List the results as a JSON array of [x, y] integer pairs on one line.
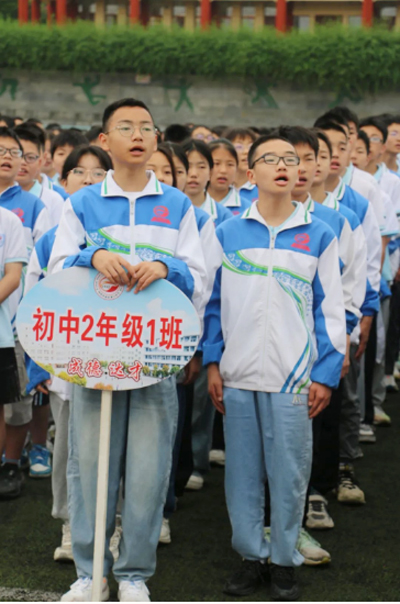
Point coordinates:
[[127, 130], [273, 160], [13, 152], [95, 173], [30, 158]]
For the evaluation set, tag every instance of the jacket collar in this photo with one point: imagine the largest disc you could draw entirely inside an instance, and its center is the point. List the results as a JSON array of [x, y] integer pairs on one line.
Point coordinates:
[[210, 206], [340, 190], [299, 217], [11, 191], [232, 200], [331, 201], [247, 186], [37, 189], [109, 187]]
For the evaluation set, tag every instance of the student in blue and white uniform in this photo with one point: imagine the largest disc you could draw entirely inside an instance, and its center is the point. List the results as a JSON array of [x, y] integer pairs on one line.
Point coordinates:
[[35, 222], [85, 166], [222, 188], [200, 173], [103, 218], [13, 256], [32, 140], [242, 139], [283, 264]]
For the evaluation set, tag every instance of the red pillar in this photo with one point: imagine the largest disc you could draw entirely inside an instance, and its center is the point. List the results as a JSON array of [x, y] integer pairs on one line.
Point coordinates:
[[134, 11], [61, 11], [35, 11], [23, 11], [205, 13], [367, 13], [281, 19]]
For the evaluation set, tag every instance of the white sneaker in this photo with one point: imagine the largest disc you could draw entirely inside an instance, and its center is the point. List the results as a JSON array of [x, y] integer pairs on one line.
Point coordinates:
[[396, 372], [195, 483], [380, 417], [317, 513], [311, 550], [366, 434], [81, 591], [64, 552], [133, 591], [115, 541], [390, 383], [165, 535], [217, 456], [348, 490]]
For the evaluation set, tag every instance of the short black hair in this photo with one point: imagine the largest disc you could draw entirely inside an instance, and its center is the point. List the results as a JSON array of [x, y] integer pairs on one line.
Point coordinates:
[[8, 120], [346, 114], [165, 149], [389, 118], [224, 144], [322, 137], [298, 135], [193, 144], [332, 116], [219, 130], [378, 124], [6, 132], [29, 132], [232, 133], [53, 126], [179, 152], [362, 136], [71, 137], [127, 102], [176, 133], [323, 123], [274, 136], [34, 121], [93, 133], [74, 157]]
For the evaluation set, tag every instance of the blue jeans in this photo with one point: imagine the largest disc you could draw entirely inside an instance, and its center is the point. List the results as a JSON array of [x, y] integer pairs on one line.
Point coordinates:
[[266, 436], [143, 427]]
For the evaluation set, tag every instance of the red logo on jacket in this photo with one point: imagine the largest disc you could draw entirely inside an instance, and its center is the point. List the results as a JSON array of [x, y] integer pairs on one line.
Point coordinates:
[[300, 242], [160, 215]]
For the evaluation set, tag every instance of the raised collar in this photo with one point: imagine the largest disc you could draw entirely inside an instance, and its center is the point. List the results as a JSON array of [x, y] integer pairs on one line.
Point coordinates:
[[232, 200], [109, 187], [299, 217], [210, 206], [348, 175], [340, 189], [36, 189], [13, 189], [331, 201], [247, 186]]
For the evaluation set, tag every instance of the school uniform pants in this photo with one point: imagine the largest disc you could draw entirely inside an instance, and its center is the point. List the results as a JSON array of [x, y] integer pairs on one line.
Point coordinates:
[[350, 415], [393, 331], [170, 503], [60, 413], [267, 436], [143, 428], [378, 382]]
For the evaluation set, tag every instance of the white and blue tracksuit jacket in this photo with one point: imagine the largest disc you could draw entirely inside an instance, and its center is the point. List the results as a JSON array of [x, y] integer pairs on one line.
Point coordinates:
[[35, 221], [350, 272], [49, 184], [365, 185], [235, 203], [248, 192], [156, 224], [276, 320], [217, 211], [365, 213]]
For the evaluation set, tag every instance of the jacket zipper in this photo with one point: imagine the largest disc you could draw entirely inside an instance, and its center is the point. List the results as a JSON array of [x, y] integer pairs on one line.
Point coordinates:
[[132, 226], [272, 239]]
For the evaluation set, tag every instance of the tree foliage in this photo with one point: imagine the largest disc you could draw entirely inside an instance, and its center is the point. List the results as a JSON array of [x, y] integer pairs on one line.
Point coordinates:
[[332, 58]]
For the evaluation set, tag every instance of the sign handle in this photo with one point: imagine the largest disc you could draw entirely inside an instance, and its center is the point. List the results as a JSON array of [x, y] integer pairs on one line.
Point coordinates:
[[102, 494]]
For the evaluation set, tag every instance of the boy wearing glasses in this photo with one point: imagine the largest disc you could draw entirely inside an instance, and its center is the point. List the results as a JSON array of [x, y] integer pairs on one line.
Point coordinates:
[[242, 139], [29, 173], [98, 227], [34, 217], [392, 151], [281, 262]]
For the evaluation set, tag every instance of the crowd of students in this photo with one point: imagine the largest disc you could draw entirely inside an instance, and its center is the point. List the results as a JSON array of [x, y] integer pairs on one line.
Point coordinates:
[[287, 241]]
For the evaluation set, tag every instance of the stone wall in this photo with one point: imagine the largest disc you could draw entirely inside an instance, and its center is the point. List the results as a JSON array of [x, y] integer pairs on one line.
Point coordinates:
[[79, 99]]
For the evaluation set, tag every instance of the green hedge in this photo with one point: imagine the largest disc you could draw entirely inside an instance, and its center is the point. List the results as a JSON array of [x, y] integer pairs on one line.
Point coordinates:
[[341, 59]]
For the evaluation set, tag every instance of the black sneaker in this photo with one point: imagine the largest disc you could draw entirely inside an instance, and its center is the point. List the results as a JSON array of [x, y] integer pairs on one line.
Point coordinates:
[[283, 584], [11, 480], [247, 579]]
